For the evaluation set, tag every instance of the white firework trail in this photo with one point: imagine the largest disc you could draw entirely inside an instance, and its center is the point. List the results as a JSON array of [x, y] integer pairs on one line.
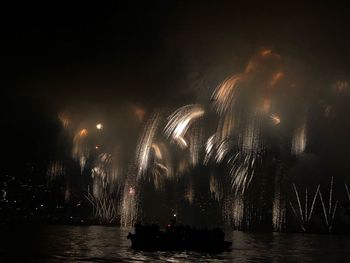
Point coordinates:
[[145, 145], [189, 194], [299, 140], [250, 139], [218, 144], [3, 195], [160, 166], [55, 170], [215, 188], [304, 212], [347, 191], [157, 151], [329, 212], [233, 211], [278, 211], [243, 101], [225, 126], [82, 162], [238, 211], [223, 148], [180, 121], [104, 206], [195, 144], [81, 149], [224, 95], [209, 148], [216, 149], [227, 211], [242, 171], [105, 174], [159, 173], [243, 164], [153, 158], [129, 205], [162, 161]]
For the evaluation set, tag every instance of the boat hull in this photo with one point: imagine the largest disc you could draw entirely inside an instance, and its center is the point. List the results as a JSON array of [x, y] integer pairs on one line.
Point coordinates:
[[163, 244]]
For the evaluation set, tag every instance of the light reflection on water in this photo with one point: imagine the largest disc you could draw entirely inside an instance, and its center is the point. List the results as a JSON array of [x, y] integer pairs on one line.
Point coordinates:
[[109, 244]]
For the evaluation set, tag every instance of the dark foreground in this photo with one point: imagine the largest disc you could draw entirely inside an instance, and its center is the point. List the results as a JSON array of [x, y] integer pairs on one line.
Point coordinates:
[[35, 243], [178, 238]]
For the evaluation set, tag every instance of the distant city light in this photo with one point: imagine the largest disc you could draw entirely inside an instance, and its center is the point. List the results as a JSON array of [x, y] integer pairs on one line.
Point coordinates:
[[99, 126]]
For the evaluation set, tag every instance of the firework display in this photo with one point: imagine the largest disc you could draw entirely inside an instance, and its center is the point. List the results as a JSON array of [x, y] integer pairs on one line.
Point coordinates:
[[254, 133]]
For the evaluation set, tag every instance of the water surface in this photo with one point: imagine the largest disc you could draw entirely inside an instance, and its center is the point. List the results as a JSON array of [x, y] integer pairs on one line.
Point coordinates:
[[45, 243]]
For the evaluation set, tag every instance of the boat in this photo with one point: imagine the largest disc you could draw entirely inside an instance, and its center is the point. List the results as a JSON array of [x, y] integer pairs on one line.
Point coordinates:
[[178, 238]]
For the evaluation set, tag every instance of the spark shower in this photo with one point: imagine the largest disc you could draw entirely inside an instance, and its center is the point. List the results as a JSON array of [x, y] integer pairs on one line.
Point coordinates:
[[247, 136]]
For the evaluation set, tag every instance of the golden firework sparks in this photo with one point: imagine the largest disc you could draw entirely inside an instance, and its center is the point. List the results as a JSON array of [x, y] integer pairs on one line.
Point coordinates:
[[275, 119]]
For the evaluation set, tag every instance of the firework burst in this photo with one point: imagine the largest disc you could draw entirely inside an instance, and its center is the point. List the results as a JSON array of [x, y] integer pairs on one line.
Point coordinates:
[[180, 121], [81, 148], [145, 145], [129, 205]]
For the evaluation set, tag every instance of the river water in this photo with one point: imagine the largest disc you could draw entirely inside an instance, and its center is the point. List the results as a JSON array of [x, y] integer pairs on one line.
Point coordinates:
[[45, 243]]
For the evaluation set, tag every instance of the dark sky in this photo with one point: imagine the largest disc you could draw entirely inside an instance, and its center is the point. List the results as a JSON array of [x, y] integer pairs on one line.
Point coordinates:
[[150, 53], [60, 50]]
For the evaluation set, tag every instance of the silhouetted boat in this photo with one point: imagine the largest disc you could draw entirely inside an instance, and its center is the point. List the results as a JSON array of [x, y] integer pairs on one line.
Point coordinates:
[[148, 237]]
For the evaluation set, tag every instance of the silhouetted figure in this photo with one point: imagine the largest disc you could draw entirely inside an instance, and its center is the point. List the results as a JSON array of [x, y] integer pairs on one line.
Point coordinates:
[[178, 237]]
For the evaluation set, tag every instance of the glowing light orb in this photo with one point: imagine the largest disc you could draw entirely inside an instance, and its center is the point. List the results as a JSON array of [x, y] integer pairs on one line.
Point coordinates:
[[99, 126]]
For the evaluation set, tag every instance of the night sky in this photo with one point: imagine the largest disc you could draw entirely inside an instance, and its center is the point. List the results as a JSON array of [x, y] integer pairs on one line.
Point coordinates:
[[56, 56], [98, 61]]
